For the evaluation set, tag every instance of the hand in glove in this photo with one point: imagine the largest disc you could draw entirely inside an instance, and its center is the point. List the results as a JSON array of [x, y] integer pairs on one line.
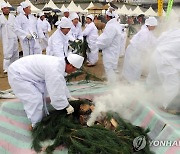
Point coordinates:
[[29, 36], [69, 109], [78, 41], [72, 99], [40, 40]]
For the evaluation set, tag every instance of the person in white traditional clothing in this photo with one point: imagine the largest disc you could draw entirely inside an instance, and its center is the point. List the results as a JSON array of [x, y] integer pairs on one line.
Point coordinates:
[[66, 13], [76, 31], [39, 75], [139, 51], [19, 10], [45, 27], [8, 36], [164, 73], [91, 34], [26, 29], [58, 42], [123, 40], [109, 41]]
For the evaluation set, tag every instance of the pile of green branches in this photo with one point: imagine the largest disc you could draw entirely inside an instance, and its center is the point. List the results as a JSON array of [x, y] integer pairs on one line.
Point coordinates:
[[87, 75], [66, 130], [79, 47], [131, 30]]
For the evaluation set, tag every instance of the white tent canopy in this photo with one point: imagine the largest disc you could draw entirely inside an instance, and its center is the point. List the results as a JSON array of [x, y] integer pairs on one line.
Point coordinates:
[[123, 10], [9, 5], [173, 13], [138, 11], [44, 6], [80, 9], [150, 12], [164, 13], [33, 8], [72, 7], [130, 12], [89, 6], [62, 8], [51, 5], [1, 1]]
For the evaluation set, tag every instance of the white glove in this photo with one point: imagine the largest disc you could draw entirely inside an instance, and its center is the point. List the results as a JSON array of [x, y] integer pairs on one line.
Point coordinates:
[[29, 36], [69, 109], [72, 99], [40, 40], [77, 41]]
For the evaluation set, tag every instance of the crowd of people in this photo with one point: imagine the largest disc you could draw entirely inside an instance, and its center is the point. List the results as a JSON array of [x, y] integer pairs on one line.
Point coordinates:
[[36, 76]]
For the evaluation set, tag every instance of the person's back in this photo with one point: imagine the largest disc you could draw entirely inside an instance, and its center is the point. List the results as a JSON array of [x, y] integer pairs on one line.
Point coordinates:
[[139, 52], [164, 74], [117, 29], [143, 39], [35, 67], [35, 77], [110, 40]]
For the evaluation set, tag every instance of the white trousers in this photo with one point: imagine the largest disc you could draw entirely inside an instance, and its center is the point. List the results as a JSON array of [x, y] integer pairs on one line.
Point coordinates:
[[28, 94], [92, 56], [31, 47], [11, 52], [110, 67], [8, 62], [44, 42], [133, 64]]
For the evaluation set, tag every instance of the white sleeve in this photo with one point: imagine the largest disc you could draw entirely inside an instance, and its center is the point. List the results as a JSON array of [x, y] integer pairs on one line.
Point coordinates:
[[39, 29], [49, 26], [87, 30], [106, 38], [143, 42], [70, 36], [57, 89], [18, 28]]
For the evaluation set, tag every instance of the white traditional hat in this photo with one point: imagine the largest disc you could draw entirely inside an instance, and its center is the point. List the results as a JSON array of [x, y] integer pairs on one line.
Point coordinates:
[[110, 14], [151, 21], [41, 14], [66, 10], [74, 16], [75, 60], [20, 9], [4, 4], [65, 23], [24, 4], [90, 16]]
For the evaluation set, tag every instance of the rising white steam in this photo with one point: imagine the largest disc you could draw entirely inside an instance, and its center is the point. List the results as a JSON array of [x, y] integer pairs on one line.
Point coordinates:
[[120, 98]]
